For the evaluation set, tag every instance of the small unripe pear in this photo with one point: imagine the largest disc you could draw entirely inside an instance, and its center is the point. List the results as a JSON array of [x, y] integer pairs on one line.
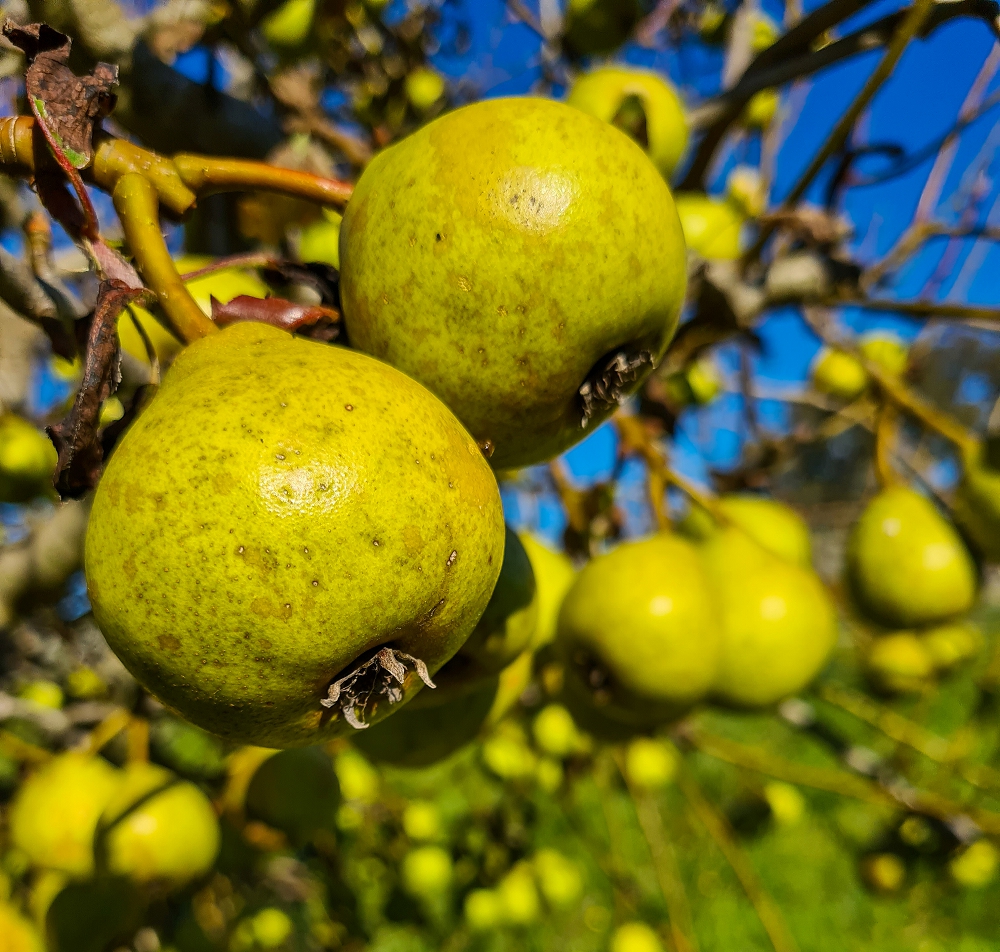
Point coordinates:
[[641, 622], [424, 87], [950, 645], [976, 866], [289, 523], [635, 937], [609, 91], [54, 816], [900, 663], [27, 460], [713, 227], [289, 25], [838, 374], [156, 827], [884, 872], [886, 350], [558, 878], [906, 564], [650, 764]]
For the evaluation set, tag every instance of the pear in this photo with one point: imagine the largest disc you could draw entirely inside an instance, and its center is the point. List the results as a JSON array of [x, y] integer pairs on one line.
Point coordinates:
[[289, 25], [287, 524], [320, 240], [635, 937], [640, 629], [27, 460], [713, 227], [430, 729], [838, 374], [424, 87], [157, 828], [54, 816], [950, 645], [595, 27], [761, 110], [906, 564], [295, 791], [17, 934], [778, 623], [886, 350], [771, 524], [900, 663], [513, 682], [474, 257], [641, 103], [976, 506], [554, 574]]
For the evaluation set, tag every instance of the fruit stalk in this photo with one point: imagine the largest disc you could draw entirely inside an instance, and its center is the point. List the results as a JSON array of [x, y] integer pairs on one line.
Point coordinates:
[[138, 208]]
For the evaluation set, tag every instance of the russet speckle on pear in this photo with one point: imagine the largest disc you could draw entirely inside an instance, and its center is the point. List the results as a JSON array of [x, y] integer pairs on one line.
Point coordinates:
[[281, 510], [505, 255]]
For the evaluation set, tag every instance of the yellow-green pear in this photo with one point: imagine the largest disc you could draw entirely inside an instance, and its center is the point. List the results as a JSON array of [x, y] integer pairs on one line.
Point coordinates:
[[641, 103], [424, 87], [761, 110], [885, 349], [594, 27], [290, 538], [474, 258], [320, 240], [976, 505], [17, 934], [900, 663], [713, 227], [950, 645], [513, 682], [554, 574], [27, 460], [158, 828], [778, 624], [838, 374], [635, 937], [639, 627], [289, 25], [54, 816], [906, 564]]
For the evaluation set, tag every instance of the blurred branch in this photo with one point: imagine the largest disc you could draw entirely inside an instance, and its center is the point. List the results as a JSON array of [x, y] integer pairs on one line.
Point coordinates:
[[720, 831], [668, 873]]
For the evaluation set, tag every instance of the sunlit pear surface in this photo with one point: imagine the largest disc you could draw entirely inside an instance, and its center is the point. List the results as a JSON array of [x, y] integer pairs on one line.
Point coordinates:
[[159, 828], [839, 374], [639, 627], [778, 623], [474, 258], [55, 814], [906, 563], [27, 460], [280, 513], [641, 103]]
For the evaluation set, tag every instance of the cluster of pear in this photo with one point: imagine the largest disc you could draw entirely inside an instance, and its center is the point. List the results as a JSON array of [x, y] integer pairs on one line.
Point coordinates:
[[293, 538], [727, 609]]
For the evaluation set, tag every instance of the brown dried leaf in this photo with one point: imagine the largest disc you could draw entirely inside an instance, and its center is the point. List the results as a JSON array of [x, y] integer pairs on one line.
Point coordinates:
[[274, 311], [76, 439]]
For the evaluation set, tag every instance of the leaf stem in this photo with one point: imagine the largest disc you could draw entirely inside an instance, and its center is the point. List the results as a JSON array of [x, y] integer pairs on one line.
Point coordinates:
[[137, 206]]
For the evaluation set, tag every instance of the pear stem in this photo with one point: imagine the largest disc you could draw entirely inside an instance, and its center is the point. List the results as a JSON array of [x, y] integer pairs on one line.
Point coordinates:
[[207, 175], [136, 202], [885, 433], [668, 873]]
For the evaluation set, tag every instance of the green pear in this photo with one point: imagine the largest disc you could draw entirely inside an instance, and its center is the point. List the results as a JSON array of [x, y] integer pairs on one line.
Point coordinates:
[[595, 27], [27, 460], [424, 87], [838, 374], [771, 524], [906, 564], [474, 257], [886, 350], [635, 937], [554, 574], [713, 227], [289, 25], [290, 538], [54, 816], [976, 505], [158, 828], [761, 110], [295, 791], [424, 733], [639, 628], [17, 934], [778, 623], [900, 663], [952, 644], [641, 103]]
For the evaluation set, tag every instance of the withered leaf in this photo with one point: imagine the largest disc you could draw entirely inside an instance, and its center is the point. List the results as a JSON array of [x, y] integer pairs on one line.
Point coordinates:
[[66, 105], [274, 311], [76, 439]]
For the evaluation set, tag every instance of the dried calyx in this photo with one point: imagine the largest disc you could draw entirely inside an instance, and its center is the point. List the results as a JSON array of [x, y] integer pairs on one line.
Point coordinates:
[[610, 380], [382, 675]]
